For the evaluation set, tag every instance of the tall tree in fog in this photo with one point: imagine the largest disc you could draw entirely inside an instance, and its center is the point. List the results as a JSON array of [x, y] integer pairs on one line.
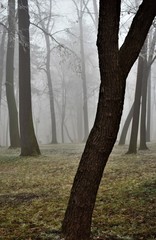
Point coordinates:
[[114, 66], [80, 13], [29, 145], [144, 66], [136, 111], [95, 7], [146, 78], [12, 109], [2, 55], [45, 26]]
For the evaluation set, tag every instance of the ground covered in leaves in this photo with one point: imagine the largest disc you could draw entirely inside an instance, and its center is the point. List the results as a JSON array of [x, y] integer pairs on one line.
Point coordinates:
[[34, 194]]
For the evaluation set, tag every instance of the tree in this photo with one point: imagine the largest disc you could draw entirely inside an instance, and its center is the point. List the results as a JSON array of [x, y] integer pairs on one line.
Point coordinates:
[[12, 109], [45, 26], [136, 111], [29, 145], [80, 14], [2, 54], [144, 66], [114, 66], [126, 126]]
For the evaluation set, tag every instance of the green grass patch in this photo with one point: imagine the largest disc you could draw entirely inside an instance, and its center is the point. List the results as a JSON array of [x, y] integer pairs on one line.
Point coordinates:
[[34, 193]]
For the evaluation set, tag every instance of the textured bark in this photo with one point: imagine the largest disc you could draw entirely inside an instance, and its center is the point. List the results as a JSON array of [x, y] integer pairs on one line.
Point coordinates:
[[126, 126], [12, 109], [77, 220], [29, 145]]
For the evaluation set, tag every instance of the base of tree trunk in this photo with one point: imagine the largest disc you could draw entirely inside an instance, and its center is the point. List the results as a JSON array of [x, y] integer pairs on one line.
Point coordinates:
[[143, 148]]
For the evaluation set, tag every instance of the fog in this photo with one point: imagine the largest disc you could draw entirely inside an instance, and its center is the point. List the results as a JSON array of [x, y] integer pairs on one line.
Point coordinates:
[[73, 63]]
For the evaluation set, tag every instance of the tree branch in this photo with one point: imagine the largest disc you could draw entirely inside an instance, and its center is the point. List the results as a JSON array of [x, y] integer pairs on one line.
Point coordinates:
[[136, 35]]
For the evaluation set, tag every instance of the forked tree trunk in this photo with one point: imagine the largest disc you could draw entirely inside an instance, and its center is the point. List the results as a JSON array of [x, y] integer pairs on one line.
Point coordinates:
[[29, 145], [114, 68], [12, 109]]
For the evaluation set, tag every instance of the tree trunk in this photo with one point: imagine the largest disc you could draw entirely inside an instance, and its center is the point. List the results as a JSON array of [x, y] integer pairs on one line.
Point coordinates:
[[51, 92], [29, 145], [95, 12], [126, 126], [12, 109], [2, 55], [136, 112], [84, 82], [114, 68], [143, 145], [148, 134], [151, 57]]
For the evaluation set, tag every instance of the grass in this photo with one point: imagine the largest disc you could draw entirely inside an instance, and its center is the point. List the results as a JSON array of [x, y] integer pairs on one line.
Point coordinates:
[[34, 194]]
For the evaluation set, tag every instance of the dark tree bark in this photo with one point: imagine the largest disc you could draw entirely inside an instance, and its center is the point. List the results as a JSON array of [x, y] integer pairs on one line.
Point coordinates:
[[12, 109], [126, 126], [29, 145], [114, 68]]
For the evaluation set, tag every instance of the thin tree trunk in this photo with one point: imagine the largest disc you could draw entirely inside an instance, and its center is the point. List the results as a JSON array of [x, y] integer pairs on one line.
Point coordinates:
[[12, 109], [148, 134], [126, 126], [84, 82], [96, 12], [143, 145], [136, 112], [2, 55], [51, 93], [45, 29], [29, 145]]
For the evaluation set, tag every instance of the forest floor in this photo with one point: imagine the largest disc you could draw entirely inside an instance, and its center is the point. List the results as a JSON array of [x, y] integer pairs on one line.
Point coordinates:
[[34, 194]]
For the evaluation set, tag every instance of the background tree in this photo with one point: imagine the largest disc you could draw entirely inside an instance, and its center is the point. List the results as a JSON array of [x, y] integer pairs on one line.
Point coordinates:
[[80, 13], [13, 115], [29, 145], [45, 26], [2, 55], [114, 66]]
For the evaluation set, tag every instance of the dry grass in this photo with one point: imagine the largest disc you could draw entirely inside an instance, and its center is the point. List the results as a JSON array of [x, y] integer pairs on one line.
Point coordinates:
[[34, 193]]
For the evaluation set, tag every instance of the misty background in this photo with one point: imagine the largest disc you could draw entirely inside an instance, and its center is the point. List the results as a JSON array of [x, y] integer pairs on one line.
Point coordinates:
[[63, 59]]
